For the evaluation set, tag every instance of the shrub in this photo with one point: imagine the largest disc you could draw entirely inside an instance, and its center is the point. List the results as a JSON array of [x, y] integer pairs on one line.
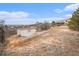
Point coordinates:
[[42, 26]]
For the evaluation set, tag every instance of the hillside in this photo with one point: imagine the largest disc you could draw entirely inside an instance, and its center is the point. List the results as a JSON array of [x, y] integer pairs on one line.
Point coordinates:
[[55, 41]]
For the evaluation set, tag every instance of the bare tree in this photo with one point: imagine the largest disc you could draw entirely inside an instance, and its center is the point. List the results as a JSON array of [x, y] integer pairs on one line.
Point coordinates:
[[2, 36]]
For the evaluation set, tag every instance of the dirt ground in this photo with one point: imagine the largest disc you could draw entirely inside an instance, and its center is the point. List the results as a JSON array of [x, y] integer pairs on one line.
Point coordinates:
[[57, 41]]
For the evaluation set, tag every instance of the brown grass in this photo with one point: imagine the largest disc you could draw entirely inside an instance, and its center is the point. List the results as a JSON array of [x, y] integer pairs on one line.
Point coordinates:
[[56, 41]]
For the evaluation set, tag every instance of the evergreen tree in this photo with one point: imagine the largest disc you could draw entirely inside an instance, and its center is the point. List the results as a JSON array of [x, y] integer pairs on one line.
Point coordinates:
[[74, 21], [53, 23]]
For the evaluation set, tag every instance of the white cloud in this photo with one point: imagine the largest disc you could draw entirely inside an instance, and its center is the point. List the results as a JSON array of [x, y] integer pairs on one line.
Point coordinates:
[[19, 15], [71, 7], [68, 15], [49, 19], [33, 20], [58, 10], [13, 15]]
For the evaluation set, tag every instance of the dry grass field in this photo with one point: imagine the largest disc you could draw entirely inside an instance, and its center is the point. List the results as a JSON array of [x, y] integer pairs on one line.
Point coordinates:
[[57, 41]]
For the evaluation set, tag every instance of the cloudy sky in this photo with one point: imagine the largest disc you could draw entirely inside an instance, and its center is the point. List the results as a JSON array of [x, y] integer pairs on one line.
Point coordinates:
[[31, 13]]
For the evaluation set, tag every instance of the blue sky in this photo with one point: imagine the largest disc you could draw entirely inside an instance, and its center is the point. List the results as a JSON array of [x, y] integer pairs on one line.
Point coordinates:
[[28, 13]]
